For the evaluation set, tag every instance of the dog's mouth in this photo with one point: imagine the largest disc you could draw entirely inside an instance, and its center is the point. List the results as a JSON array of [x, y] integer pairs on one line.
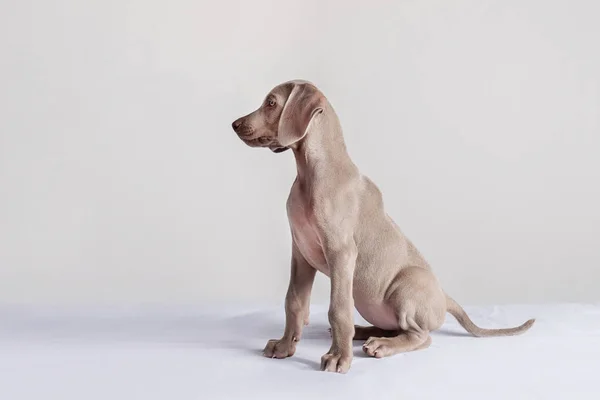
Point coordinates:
[[261, 141], [265, 141], [245, 132]]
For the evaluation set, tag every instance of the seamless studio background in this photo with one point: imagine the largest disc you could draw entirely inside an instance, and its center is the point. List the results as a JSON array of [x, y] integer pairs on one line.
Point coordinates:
[[121, 181]]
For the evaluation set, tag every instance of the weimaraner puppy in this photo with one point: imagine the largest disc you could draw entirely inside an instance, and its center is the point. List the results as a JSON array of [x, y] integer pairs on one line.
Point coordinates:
[[340, 228]]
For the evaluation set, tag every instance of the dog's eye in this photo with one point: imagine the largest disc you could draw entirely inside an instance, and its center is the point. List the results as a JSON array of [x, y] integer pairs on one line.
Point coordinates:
[[271, 103]]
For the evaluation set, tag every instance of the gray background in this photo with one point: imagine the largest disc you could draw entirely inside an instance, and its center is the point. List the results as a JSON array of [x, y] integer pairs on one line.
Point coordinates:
[[121, 180]]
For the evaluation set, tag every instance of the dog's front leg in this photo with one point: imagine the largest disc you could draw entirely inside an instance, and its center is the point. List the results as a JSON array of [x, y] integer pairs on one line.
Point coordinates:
[[297, 304], [341, 262]]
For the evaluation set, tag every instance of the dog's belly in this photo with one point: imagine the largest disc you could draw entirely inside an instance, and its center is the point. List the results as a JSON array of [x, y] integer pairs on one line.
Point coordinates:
[[378, 314]]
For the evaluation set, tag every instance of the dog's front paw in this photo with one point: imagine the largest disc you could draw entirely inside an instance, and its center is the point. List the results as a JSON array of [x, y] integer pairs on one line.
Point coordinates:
[[280, 348], [336, 361]]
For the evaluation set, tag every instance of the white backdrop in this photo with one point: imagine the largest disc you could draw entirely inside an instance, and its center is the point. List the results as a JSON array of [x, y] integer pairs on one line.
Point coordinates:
[[121, 180]]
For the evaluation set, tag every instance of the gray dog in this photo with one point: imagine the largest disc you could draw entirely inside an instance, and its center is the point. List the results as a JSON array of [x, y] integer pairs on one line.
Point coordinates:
[[340, 228]]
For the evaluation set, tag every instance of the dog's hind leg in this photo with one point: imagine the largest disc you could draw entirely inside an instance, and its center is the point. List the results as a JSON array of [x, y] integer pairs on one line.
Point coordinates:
[[365, 332], [406, 341]]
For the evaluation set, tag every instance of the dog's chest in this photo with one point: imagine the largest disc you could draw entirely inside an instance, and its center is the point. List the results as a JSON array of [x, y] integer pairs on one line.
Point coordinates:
[[304, 231]]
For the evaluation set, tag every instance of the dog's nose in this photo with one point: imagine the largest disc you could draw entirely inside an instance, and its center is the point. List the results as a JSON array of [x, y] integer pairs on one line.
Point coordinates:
[[236, 124]]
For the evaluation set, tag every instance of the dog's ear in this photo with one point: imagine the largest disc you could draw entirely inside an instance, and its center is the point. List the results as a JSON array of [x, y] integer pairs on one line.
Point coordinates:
[[303, 103]]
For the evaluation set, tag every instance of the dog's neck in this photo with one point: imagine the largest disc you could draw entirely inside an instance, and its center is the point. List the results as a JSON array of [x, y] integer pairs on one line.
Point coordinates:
[[322, 149]]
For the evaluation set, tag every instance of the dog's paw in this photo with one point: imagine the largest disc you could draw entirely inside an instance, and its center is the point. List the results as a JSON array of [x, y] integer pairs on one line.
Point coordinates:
[[280, 348], [377, 347], [336, 361]]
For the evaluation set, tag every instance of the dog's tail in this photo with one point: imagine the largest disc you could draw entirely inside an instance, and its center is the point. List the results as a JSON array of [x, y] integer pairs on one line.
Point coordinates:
[[463, 319]]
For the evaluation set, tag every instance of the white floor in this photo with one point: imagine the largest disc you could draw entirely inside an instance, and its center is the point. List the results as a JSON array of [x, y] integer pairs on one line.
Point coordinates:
[[180, 354]]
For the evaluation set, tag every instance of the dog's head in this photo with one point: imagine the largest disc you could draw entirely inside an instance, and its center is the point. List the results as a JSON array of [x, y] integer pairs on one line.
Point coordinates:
[[283, 118]]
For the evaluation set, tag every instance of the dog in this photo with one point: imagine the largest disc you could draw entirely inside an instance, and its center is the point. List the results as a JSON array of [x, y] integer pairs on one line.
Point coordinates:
[[340, 228]]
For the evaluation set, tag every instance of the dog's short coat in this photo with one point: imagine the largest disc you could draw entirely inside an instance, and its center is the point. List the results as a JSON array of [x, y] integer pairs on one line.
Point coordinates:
[[339, 227]]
